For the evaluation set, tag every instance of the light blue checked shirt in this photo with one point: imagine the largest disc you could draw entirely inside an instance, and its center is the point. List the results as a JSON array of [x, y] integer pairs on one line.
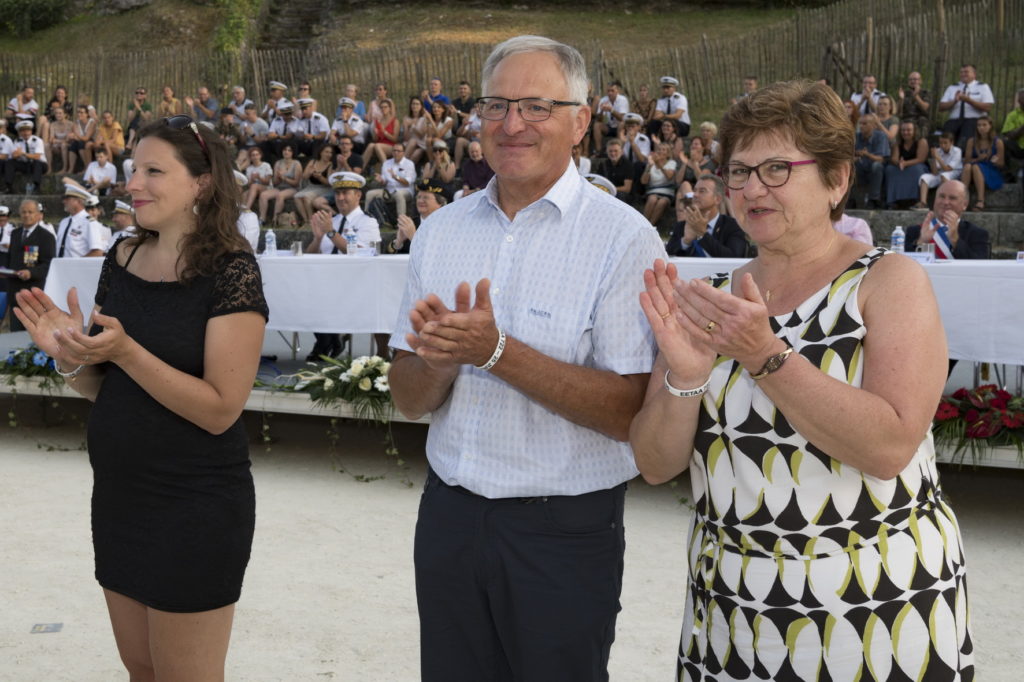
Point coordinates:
[[565, 278]]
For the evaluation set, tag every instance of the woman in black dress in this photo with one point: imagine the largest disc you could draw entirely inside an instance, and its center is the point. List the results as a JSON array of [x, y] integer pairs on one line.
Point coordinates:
[[169, 361]]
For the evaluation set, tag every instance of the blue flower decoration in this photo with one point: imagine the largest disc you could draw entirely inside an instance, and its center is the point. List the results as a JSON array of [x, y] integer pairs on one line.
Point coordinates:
[[39, 359]]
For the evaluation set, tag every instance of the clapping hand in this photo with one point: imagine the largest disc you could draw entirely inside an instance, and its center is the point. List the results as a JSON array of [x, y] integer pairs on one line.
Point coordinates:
[[320, 222], [44, 321], [467, 335], [687, 353]]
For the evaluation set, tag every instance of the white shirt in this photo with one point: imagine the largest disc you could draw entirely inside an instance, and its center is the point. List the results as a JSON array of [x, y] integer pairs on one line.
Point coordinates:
[[282, 127], [584, 166], [129, 231], [670, 105], [79, 235], [239, 109], [316, 125], [979, 92], [5, 237], [262, 173], [365, 226], [249, 227], [96, 173], [23, 111], [565, 277], [6, 146], [271, 115], [406, 169], [619, 106], [643, 145], [858, 99], [954, 159], [33, 145], [355, 123]]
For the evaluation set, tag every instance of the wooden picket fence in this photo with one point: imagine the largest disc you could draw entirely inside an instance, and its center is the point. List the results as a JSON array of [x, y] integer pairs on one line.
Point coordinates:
[[842, 41]]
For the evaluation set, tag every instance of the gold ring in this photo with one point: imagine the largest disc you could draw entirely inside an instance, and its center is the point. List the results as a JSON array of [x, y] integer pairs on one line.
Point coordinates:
[[710, 326], [665, 316]]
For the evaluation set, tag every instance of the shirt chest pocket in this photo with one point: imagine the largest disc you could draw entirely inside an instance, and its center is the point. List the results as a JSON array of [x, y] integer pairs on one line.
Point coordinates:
[[556, 323]]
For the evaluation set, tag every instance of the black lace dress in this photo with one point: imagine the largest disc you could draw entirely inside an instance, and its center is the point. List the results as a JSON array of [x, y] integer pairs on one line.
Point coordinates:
[[173, 506]]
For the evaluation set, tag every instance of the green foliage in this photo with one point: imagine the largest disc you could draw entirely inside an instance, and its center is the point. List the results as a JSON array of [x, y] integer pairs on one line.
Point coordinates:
[[238, 20], [22, 17]]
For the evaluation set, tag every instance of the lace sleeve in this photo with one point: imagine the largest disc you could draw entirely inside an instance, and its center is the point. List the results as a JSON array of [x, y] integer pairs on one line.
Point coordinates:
[[103, 286], [239, 287]]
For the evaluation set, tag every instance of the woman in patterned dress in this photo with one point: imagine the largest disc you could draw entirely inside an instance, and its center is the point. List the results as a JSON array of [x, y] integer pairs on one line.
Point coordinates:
[[821, 547]]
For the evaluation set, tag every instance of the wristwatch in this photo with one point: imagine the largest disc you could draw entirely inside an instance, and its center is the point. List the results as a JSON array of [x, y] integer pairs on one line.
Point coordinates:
[[773, 363], [331, 234]]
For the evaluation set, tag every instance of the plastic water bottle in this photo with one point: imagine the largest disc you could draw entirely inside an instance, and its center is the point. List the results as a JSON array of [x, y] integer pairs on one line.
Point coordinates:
[[898, 237], [269, 243], [350, 236]]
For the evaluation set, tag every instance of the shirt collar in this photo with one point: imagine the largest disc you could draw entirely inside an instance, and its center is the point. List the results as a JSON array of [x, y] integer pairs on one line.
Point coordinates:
[[713, 222], [562, 194]]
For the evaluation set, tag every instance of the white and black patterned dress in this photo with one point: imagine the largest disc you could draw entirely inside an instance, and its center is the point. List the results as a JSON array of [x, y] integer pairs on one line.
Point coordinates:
[[805, 568]]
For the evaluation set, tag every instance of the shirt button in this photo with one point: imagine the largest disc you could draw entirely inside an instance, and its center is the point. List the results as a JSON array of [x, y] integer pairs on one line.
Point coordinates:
[[497, 290], [508, 238]]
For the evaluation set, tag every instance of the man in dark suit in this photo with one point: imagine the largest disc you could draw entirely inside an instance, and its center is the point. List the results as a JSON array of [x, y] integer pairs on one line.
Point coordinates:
[[701, 229], [32, 249], [953, 237]]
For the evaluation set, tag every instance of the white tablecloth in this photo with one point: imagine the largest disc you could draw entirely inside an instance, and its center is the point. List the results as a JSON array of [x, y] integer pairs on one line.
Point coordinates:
[[981, 302]]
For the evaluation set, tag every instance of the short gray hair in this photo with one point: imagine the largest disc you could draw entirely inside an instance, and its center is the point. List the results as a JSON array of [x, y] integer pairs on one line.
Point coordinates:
[[717, 182], [570, 61]]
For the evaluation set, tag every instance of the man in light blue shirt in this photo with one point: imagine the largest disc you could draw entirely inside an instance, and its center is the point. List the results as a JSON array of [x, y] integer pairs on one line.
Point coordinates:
[[532, 375]]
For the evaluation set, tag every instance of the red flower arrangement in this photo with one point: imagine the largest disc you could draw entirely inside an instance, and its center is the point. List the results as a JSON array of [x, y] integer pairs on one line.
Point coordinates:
[[977, 419]]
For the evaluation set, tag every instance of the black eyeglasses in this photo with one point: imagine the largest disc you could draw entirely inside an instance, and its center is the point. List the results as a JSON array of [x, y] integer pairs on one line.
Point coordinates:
[[771, 173], [533, 109], [181, 122]]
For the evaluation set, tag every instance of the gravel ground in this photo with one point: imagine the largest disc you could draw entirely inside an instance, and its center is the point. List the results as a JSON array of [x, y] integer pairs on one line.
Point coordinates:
[[329, 591]]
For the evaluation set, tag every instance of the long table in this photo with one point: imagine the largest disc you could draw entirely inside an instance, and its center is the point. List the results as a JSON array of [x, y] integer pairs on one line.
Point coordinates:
[[981, 302]]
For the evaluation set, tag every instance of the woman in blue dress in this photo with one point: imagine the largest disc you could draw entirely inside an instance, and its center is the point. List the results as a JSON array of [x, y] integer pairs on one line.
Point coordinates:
[[985, 158]]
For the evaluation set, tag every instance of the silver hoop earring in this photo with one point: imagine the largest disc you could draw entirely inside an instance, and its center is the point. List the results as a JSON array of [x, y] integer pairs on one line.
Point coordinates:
[[195, 208], [834, 204]]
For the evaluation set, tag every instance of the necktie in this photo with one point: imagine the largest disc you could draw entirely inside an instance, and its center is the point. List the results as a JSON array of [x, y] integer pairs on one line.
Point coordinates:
[[963, 104], [341, 230], [65, 225], [867, 104]]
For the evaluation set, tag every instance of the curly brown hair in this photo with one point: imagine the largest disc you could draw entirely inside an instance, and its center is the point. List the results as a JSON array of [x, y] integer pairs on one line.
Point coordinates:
[[809, 113], [216, 234]]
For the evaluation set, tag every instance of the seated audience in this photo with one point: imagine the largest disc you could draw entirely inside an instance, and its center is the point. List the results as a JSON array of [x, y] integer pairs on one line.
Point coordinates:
[[313, 128], [440, 169], [944, 226], [380, 93], [643, 104], [139, 114], [889, 122], [608, 115], [671, 106], [350, 125], [440, 125], [352, 92], [434, 94], [866, 100], [58, 141], [414, 129], [23, 107], [617, 169], [659, 178], [635, 144], [946, 164], [80, 139], [385, 133], [315, 182], [984, 160], [227, 129], [99, 178], [708, 132], [1013, 129], [855, 228], [287, 176], [28, 158], [260, 175], [283, 130], [239, 102], [248, 224], [749, 85], [109, 136], [907, 163], [275, 100], [202, 107], [582, 162], [692, 166], [169, 104], [464, 104], [871, 149], [60, 100], [398, 175], [701, 229], [476, 172], [430, 196], [915, 103], [252, 134], [667, 134]]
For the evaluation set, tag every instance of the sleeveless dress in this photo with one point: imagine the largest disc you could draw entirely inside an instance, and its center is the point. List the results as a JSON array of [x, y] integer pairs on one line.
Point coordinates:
[[173, 506], [802, 567], [993, 176]]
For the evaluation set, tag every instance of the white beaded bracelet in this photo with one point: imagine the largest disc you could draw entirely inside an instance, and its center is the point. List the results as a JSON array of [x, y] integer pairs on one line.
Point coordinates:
[[685, 392], [498, 350]]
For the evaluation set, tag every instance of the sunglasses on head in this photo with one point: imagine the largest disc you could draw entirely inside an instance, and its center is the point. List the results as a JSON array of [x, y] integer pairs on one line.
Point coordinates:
[[181, 122]]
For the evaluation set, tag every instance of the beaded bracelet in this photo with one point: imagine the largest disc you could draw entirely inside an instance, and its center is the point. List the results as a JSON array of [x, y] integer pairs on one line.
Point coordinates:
[[498, 350], [68, 375]]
